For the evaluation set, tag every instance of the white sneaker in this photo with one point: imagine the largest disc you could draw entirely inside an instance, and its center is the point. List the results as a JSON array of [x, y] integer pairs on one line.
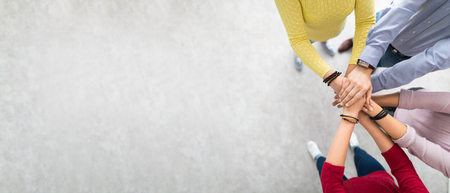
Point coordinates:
[[329, 47], [298, 63], [354, 141], [314, 150]]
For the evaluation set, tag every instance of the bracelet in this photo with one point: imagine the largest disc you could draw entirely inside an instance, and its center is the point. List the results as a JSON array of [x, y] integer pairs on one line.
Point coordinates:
[[350, 119], [332, 79], [329, 77], [383, 113]]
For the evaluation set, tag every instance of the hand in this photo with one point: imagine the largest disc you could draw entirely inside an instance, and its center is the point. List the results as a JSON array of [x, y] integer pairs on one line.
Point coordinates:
[[356, 86], [337, 84], [366, 108], [337, 102], [355, 108]]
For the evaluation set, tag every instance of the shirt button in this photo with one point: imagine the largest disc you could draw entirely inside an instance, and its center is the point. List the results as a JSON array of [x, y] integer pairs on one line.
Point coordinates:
[[401, 40], [429, 21], [414, 32], [448, 8]]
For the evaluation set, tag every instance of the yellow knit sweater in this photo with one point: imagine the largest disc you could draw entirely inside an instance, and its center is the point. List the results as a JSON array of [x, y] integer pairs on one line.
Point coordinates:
[[320, 20]]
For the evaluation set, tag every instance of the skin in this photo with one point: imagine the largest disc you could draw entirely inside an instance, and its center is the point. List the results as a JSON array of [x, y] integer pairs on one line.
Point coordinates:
[[338, 149], [392, 126], [388, 100], [337, 83], [382, 140], [356, 86]]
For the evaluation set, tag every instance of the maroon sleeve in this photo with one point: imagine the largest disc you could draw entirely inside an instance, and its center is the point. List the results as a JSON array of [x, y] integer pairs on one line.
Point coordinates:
[[403, 170], [331, 178]]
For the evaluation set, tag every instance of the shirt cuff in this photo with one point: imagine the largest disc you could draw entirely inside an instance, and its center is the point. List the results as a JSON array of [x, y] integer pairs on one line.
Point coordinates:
[[376, 83], [407, 139], [371, 55], [405, 97]]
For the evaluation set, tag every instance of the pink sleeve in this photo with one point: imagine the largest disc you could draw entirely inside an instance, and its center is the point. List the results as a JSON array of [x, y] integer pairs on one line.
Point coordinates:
[[425, 99], [432, 154], [403, 170], [331, 178]]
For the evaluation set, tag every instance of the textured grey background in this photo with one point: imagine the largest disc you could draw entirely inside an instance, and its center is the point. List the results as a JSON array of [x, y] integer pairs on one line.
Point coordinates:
[[164, 96]]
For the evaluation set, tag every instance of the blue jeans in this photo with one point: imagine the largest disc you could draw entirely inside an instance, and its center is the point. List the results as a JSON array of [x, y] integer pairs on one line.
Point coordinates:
[[390, 58], [365, 163]]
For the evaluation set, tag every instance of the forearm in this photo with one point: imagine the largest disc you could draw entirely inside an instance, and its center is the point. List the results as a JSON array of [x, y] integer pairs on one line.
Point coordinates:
[[338, 150], [389, 100], [430, 100], [336, 84], [392, 126], [364, 20], [430, 60], [386, 29], [383, 142], [350, 68]]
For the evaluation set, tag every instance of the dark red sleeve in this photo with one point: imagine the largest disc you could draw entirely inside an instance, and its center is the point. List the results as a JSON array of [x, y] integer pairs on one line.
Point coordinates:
[[331, 178], [403, 170]]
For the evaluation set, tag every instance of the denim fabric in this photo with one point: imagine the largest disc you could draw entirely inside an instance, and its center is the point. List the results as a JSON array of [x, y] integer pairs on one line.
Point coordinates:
[[365, 163]]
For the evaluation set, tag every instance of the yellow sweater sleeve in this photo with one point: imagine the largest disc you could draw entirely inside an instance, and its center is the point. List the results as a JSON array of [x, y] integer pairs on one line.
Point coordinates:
[[291, 15], [364, 20]]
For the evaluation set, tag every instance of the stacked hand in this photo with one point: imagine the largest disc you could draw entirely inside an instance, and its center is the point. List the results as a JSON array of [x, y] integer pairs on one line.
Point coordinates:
[[358, 85]]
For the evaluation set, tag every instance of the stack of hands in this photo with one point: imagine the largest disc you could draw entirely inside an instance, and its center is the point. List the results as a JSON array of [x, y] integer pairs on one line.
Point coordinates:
[[354, 91]]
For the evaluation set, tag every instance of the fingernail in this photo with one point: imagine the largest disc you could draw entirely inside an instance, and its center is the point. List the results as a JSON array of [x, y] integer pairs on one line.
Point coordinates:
[[344, 80], [346, 105], [371, 109], [365, 110]]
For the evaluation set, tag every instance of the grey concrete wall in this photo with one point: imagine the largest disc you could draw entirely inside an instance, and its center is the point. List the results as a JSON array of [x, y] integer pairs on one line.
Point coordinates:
[[164, 96]]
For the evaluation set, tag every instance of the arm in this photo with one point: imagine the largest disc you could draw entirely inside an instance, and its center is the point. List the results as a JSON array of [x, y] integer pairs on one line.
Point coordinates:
[[291, 14], [333, 169], [403, 170], [386, 28], [379, 37], [394, 128], [364, 20], [430, 60], [401, 166], [430, 153], [388, 100], [434, 101], [383, 142]]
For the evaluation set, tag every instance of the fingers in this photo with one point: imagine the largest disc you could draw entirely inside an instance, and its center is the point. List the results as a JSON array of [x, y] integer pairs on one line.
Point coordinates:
[[345, 84], [357, 97], [344, 97], [366, 107], [335, 103], [348, 94]]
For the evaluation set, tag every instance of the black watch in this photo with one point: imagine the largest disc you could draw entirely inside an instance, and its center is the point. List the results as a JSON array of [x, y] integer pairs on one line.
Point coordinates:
[[364, 64]]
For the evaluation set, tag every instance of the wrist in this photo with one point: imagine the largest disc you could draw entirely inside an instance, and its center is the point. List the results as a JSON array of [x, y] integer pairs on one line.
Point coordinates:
[[364, 64], [366, 71], [337, 83], [353, 114]]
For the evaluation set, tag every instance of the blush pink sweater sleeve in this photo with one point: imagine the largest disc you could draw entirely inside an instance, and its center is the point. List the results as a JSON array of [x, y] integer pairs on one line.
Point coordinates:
[[427, 116]]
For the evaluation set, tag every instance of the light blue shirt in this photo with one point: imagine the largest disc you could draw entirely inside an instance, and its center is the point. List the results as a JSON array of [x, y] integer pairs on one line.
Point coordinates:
[[416, 28]]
